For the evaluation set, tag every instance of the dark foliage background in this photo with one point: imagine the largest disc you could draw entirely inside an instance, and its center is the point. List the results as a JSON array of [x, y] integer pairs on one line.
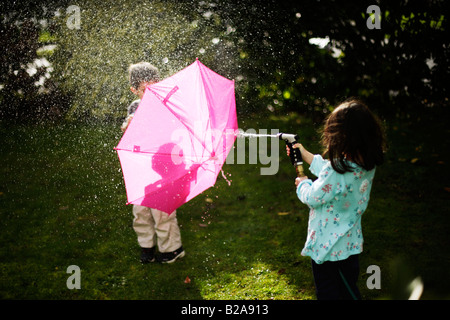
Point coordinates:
[[265, 45]]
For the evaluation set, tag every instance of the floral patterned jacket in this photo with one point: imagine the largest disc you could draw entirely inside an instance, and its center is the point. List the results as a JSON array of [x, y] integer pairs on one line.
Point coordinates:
[[337, 202]]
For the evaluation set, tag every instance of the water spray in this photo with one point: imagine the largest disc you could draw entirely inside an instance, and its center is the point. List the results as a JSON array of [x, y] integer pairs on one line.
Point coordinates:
[[290, 139]]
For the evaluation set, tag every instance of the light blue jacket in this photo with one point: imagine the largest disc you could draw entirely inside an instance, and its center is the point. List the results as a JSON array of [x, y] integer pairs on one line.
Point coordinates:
[[337, 202]]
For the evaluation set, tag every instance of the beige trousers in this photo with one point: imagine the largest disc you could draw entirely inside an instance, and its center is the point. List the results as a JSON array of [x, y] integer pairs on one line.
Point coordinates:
[[155, 227]]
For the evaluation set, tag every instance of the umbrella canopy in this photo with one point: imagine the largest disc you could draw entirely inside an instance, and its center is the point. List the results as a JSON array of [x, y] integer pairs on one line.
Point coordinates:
[[179, 138]]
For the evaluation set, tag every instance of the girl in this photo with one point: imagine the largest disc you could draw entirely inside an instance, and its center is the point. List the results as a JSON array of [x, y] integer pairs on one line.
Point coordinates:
[[354, 142]]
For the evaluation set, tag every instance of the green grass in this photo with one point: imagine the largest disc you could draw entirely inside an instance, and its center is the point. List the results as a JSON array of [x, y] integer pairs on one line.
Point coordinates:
[[62, 203]]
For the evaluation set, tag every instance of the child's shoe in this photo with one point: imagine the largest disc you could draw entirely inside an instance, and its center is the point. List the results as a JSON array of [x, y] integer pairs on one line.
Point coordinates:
[[169, 257], [147, 255]]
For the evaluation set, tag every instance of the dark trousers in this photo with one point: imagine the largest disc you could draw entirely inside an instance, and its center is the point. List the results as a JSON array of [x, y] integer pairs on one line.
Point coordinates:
[[336, 280]]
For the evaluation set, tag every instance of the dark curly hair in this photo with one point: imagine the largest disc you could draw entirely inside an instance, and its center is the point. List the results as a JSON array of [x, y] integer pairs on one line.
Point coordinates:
[[142, 72], [353, 133]]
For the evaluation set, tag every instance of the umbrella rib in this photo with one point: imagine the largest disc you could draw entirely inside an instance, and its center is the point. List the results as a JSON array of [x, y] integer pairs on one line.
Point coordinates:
[[200, 67]]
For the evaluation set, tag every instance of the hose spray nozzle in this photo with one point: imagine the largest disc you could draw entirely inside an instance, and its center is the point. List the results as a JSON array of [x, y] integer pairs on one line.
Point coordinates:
[[288, 137]]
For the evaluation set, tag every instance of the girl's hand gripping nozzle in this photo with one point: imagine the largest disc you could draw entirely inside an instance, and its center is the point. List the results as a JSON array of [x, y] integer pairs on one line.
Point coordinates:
[[294, 153]]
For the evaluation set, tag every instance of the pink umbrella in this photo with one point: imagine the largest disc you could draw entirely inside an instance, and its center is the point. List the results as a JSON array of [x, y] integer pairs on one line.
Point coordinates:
[[179, 138]]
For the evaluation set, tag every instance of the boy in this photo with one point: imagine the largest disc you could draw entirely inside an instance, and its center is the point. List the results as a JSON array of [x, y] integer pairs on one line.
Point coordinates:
[[153, 227]]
